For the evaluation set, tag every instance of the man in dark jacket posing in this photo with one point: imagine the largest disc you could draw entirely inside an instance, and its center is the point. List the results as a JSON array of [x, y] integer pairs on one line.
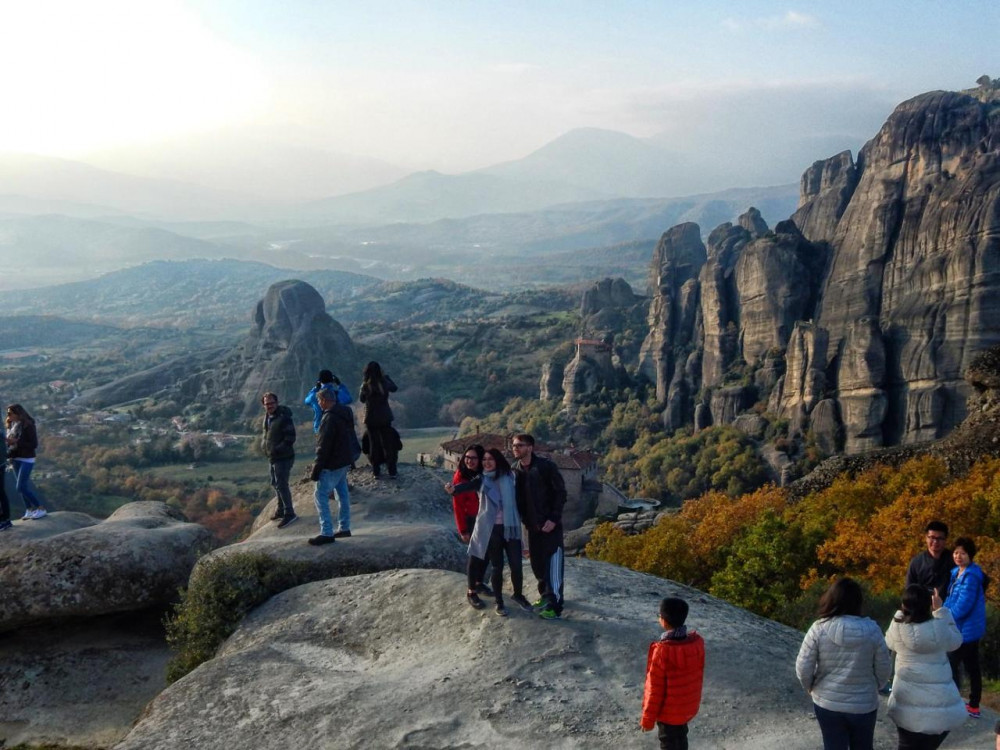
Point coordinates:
[[932, 567], [278, 443], [333, 459], [541, 495]]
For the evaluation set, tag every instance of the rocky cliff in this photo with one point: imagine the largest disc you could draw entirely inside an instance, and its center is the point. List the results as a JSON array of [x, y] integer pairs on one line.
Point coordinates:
[[855, 319], [291, 339]]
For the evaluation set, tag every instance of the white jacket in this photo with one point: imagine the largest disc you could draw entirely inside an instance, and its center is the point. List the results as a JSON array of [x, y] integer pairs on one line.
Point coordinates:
[[924, 697], [842, 662]]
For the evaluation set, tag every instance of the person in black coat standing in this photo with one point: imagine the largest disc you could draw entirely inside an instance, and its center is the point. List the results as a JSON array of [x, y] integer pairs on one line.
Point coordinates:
[[278, 443], [5, 523], [329, 471], [381, 440]]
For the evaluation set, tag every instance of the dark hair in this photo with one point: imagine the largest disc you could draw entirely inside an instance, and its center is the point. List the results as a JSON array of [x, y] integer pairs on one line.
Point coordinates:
[[263, 399], [372, 377], [464, 471], [503, 465], [844, 597], [524, 437], [937, 526], [916, 604], [325, 376], [20, 412], [967, 544], [674, 610]]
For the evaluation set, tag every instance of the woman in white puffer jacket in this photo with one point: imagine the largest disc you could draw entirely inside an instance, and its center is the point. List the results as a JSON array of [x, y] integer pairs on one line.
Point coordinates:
[[925, 704]]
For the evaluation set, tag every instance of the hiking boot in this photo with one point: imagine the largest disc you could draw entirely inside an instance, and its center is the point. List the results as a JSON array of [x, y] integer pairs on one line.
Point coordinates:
[[523, 603], [321, 539], [973, 711], [500, 609], [342, 534], [482, 588], [288, 520], [474, 601], [547, 613]]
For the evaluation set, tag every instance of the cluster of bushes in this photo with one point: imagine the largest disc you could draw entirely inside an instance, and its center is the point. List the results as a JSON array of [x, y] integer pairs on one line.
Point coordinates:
[[770, 555]]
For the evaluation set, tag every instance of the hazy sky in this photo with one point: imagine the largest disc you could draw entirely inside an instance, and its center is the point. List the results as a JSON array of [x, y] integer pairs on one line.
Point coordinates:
[[458, 85]]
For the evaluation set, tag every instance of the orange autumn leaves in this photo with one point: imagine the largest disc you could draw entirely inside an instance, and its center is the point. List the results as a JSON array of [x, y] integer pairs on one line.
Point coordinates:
[[761, 551]]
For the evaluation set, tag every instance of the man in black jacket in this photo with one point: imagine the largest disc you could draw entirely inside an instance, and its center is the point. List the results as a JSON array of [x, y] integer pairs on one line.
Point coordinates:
[[333, 459], [541, 495], [278, 443], [932, 567]]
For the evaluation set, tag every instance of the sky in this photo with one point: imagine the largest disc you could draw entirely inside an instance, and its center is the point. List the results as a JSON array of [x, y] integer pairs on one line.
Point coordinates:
[[460, 85]]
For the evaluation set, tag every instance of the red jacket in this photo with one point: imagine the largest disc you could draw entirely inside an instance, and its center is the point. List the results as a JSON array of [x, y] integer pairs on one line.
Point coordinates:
[[465, 505], [674, 673]]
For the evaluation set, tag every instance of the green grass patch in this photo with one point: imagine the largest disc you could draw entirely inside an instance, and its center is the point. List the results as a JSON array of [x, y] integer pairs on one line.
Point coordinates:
[[424, 440], [223, 473]]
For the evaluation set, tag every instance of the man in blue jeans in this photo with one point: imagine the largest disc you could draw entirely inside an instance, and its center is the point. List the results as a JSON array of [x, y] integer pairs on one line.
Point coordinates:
[[5, 523], [333, 459]]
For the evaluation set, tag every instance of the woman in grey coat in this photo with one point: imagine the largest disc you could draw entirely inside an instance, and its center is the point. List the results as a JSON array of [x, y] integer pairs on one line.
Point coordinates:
[[497, 531], [842, 662]]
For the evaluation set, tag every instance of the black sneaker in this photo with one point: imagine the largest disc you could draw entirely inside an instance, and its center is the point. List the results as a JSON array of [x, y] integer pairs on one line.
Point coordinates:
[[4, 525], [288, 520], [277, 516], [317, 540], [482, 588], [501, 610], [474, 601], [522, 602], [343, 534]]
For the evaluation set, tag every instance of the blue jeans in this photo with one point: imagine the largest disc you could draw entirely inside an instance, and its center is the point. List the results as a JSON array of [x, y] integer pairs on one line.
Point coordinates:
[[280, 471], [333, 480], [22, 472], [844, 731]]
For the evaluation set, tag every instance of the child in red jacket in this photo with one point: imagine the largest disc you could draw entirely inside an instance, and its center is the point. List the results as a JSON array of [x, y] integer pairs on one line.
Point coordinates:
[[675, 668]]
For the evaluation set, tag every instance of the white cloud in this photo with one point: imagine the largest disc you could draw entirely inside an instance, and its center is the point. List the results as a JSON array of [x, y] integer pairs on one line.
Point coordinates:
[[789, 20]]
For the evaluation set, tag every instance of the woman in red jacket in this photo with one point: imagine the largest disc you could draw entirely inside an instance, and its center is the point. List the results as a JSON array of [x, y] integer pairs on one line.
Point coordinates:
[[466, 504]]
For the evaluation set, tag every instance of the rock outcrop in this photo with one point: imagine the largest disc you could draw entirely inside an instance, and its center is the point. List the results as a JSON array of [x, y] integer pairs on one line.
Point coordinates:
[[74, 566], [292, 338], [594, 366], [875, 296]]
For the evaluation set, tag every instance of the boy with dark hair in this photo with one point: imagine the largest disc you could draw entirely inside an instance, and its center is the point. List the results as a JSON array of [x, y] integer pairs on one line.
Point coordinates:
[[932, 567], [675, 670]]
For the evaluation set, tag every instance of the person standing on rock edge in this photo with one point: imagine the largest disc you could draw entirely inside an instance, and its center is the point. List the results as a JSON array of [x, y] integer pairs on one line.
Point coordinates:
[[22, 445], [675, 672], [541, 495], [278, 443], [5, 523], [381, 441], [329, 382], [329, 471]]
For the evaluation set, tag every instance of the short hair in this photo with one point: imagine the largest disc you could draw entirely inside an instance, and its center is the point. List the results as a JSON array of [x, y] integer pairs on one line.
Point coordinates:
[[524, 437], [844, 597], [937, 526], [915, 605], [674, 610], [263, 399], [966, 543], [325, 394]]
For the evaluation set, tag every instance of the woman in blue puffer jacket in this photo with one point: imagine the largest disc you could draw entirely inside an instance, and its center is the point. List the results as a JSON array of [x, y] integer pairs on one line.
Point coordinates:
[[967, 603]]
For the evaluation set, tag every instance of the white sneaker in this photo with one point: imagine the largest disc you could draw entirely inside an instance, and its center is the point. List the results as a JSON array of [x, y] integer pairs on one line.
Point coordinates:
[[39, 513], [28, 514]]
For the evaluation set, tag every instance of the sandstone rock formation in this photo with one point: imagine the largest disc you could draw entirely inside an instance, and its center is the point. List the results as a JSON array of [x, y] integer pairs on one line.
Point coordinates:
[[78, 567], [292, 338], [594, 366], [875, 296], [398, 660]]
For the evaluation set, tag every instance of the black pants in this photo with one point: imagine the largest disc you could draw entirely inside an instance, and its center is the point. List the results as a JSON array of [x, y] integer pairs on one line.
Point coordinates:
[[495, 551], [918, 741], [548, 565], [672, 736], [967, 655], [384, 449], [4, 503]]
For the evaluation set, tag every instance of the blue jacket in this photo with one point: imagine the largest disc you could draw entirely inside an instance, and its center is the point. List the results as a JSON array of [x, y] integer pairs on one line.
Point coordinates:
[[967, 602], [340, 391]]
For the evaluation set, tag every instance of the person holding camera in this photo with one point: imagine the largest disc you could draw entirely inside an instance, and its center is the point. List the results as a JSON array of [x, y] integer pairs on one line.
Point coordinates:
[[329, 382]]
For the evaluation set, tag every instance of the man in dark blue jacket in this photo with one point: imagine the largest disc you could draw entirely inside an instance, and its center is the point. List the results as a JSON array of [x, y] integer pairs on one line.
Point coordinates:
[[329, 471], [541, 495]]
